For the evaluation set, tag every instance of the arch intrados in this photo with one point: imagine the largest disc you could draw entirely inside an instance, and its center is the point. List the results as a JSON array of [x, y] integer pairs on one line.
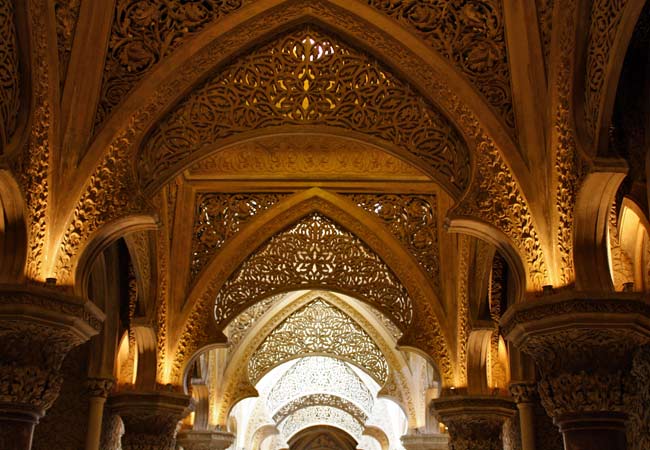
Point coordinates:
[[100, 240], [328, 424], [331, 429], [13, 229], [290, 211], [202, 55]]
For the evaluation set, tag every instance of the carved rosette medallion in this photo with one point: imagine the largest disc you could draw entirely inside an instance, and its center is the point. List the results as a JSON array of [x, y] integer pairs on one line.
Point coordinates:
[[150, 419], [205, 440], [474, 422], [583, 348], [37, 330]]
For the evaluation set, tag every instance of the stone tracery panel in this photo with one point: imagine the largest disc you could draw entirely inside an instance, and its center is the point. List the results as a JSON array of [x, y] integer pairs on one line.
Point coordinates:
[[306, 77], [413, 220], [318, 328], [315, 252], [320, 415], [320, 400], [143, 33], [241, 325], [470, 34], [217, 217], [9, 73], [316, 375]]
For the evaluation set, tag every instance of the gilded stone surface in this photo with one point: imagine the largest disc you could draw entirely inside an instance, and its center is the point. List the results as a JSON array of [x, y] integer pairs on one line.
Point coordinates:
[[306, 77]]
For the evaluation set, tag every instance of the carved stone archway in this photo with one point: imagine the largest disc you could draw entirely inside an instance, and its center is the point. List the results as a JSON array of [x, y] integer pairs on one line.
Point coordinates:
[[322, 438]]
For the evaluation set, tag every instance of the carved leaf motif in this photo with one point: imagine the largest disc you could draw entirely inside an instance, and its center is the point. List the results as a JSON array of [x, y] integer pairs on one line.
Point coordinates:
[[412, 219], [218, 217], [9, 74], [318, 328], [67, 14], [306, 77], [320, 400], [315, 252], [143, 33], [471, 34]]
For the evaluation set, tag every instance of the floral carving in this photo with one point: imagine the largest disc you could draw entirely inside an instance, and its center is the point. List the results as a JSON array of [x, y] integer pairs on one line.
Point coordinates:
[[320, 400], [545, 23], [621, 263], [318, 328], [9, 74], [638, 403], [99, 387], [240, 326], [306, 77], [605, 18], [143, 33], [469, 33], [218, 217], [315, 252], [67, 14], [413, 219]]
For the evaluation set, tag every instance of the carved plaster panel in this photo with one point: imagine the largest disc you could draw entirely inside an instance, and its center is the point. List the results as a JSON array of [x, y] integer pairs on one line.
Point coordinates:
[[241, 325], [413, 220], [9, 73], [463, 309], [67, 14], [320, 415], [316, 157], [315, 252], [545, 23], [622, 265], [217, 217], [319, 328], [320, 400], [306, 77], [606, 15], [470, 34], [143, 33]]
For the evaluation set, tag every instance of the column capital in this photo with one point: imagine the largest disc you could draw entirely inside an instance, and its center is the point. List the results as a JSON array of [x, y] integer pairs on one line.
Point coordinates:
[[39, 327], [205, 440], [524, 391], [474, 421], [150, 418], [99, 387], [425, 441]]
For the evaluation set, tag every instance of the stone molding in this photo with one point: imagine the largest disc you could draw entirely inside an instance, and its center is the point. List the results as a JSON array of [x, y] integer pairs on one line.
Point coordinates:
[[38, 327], [205, 440], [425, 441], [474, 421], [150, 419]]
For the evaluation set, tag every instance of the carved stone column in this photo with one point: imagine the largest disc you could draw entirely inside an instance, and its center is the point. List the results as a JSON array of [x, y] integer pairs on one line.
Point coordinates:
[[150, 418], [38, 328], [583, 348], [98, 388], [425, 441], [525, 395], [474, 422], [205, 440]]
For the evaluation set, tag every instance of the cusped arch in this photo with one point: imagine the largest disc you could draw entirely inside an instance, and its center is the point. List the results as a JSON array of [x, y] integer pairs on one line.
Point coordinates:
[[351, 218]]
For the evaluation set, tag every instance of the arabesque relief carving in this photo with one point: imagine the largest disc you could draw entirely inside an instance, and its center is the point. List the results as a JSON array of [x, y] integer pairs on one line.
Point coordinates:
[[67, 14], [606, 15], [413, 220], [319, 157], [241, 325], [622, 265], [318, 328], [470, 34], [217, 217], [545, 23], [143, 33], [315, 252], [320, 400], [291, 81], [9, 74]]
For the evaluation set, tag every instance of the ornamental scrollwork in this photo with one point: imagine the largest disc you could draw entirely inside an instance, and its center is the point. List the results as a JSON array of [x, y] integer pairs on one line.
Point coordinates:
[[218, 217], [241, 325], [470, 34], [320, 400], [67, 14], [145, 32], [413, 220], [606, 16], [318, 328], [9, 73], [318, 415], [306, 77], [315, 252]]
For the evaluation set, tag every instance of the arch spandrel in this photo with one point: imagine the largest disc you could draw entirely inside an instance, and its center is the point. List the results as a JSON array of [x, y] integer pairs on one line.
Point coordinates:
[[234, 253]]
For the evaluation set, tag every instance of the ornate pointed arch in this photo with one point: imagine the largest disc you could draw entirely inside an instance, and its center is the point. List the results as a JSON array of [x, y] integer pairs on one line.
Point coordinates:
[[114, 149], [423, 332]]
